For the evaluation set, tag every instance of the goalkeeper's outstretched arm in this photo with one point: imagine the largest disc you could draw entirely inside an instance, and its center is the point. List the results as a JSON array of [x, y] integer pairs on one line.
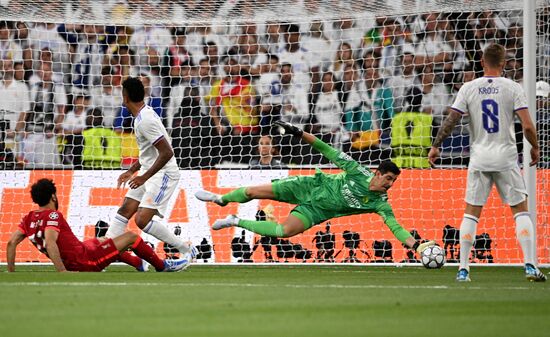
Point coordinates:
[[399, 232], [342, 160]]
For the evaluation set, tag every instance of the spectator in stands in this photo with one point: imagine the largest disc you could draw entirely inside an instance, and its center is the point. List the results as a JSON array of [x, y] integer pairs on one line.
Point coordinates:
[[304, 72], [432, 49], [124, 121], [124, 64], [108, 96], [392, 48], [295, 104], [344, 58], [371, 58], [234, 113], [190, 122], [401, 82], [459, 55], [318, 44], [212, 54], [379, 97], [19, 72], [101, 146], [206, 77], [513, 41], [116, 36], [14, 103], [198, 35], [435, 97], [178, 93], [175, 56], [267, 155], [46, 58], [347, 30], [21, 37], [249, 55], [514, 70], [153, 71], [486, 30], [358, 113], [327, 113], [48, 101], [87, 60], [9, 49], [73, 125], [269, 89], [272, 42], [47, 42], [466, 75], [148, 37]]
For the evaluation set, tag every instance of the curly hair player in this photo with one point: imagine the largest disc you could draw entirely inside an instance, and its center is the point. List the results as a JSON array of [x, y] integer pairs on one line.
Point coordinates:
[[50, 233]]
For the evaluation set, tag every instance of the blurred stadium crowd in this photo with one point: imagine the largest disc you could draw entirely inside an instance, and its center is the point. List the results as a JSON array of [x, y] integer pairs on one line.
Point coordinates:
[[361, 85]]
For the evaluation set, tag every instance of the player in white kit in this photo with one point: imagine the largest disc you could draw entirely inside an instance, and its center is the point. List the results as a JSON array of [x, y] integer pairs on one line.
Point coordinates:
[[158, 174], [493, 102]]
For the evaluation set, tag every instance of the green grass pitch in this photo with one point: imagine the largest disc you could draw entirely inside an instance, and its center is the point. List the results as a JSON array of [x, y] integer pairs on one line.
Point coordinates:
[[280, 300]]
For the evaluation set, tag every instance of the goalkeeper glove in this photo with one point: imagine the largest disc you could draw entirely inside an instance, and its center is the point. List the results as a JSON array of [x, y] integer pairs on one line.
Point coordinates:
[[290, 129], [419, 247]]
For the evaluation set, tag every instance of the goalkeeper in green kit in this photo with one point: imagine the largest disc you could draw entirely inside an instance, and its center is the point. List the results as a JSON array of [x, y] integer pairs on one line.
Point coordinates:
[[321, 196]]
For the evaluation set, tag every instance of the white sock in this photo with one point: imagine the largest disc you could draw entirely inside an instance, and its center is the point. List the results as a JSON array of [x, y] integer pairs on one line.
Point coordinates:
[[118, 227], [467, 236], [162, 233], [525, 235]]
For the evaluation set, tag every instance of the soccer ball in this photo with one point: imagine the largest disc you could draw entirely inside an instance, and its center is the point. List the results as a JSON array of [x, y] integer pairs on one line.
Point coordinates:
[[433, 257]]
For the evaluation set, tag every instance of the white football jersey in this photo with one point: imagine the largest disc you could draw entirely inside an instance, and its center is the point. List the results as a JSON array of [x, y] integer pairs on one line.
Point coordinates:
[[149, 129], [491, 103]]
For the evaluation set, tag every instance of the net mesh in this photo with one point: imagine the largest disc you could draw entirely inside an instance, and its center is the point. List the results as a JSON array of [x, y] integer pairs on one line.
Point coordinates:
[[371, 78]]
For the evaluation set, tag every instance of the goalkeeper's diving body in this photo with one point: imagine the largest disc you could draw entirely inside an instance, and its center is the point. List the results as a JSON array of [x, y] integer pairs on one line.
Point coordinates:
[[321, 196]]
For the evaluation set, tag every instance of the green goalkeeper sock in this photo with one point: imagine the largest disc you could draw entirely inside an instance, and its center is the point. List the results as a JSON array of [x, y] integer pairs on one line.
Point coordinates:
[[265, 228], [238, 195]]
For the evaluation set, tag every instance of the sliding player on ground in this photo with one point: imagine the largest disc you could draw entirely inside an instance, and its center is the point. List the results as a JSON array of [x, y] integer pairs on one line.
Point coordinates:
[[320, 197], [158, 176], [50, 233], [493, 102]]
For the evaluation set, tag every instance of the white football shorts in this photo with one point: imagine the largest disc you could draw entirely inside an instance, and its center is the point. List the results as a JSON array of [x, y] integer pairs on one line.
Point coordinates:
[[155, 193], [510, 186]]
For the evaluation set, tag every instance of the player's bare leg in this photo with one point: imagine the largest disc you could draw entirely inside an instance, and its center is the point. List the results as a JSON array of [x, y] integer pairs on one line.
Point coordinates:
[[467, 236], [240, 195], [525, 234], [144, 220], [120, 223]]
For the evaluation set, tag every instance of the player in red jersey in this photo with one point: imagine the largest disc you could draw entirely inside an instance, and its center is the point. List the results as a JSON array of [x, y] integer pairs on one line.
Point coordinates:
[[50, 233]]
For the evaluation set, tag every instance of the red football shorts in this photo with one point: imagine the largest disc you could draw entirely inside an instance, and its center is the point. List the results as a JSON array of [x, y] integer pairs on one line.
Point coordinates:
[[98, 254]]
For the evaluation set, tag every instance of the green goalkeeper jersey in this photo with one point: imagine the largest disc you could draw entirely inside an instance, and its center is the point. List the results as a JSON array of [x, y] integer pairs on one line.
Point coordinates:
[[326, 196]]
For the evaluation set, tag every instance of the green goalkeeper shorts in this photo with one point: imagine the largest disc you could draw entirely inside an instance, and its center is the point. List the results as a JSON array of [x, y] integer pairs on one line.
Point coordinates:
[[297, 190]]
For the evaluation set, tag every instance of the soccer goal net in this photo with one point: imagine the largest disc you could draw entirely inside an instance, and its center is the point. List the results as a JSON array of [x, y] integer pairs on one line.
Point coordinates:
[[371, 78]]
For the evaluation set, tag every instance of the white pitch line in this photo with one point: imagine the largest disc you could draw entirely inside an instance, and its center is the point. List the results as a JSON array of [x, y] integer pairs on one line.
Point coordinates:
[[247, 285]]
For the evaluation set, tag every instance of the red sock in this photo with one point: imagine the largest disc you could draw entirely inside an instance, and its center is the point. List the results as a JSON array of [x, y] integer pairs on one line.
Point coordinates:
[[130, 259], [144, 251]]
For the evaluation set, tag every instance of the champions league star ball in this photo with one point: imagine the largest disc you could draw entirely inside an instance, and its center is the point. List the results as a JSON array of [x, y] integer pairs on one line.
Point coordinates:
[[433, 257]]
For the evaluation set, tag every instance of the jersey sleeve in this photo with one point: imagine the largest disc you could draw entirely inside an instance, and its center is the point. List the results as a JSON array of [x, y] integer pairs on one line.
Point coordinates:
[[520, 101], [151, 129], [386, 212], [53, 221], [21, 226], [460, 104], [341, 159]]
